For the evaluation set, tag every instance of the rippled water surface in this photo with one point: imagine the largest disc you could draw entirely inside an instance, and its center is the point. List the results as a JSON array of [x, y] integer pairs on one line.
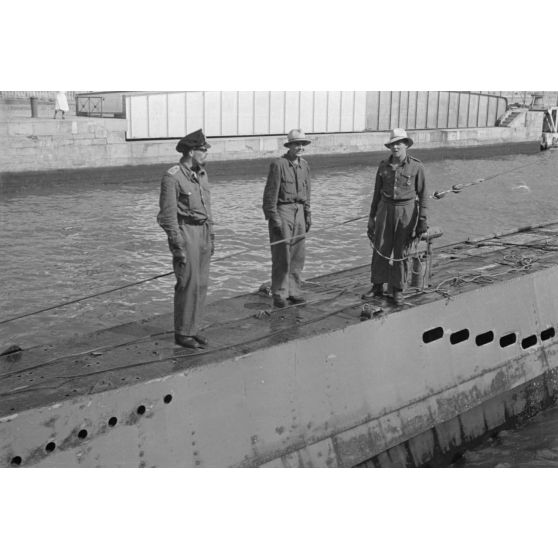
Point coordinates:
[[68, 234]]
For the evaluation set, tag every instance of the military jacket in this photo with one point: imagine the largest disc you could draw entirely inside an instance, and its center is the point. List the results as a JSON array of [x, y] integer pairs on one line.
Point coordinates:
[[405, 182], [185, 198], [286, 183]]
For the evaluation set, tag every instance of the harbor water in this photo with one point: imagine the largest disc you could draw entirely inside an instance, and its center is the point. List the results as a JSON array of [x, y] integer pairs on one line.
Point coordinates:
[[69, 234]]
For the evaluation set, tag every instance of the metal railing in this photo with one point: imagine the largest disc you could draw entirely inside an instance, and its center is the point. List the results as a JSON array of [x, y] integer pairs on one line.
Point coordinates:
[[423, 110], [42, 95], [103, 104], [527, 98]]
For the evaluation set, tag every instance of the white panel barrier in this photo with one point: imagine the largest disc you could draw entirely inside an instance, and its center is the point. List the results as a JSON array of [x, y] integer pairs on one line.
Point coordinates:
[[177, 115], [158, 116], [334, 111], [306, 110], [277, 112], [229, 113], [261, 113], [320, 111], [212, 117], [195, 111], [244, 113]]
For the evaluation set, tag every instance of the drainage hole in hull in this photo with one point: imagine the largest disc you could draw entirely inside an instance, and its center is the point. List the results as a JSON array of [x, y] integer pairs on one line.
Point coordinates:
[[168, 398], [82, 434], [141, 410], [51, 446], [112, 421]]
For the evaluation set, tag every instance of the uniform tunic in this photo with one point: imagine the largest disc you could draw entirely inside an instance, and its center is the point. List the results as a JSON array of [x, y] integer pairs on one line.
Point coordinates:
[[399, 200], [185, 215], [286, 206]]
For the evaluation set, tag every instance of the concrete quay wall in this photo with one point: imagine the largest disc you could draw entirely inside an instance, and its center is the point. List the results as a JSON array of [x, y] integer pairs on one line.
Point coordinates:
[[33, 144]]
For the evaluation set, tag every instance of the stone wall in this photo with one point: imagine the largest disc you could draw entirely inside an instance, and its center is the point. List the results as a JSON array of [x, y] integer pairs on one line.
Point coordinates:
[[30, 144]]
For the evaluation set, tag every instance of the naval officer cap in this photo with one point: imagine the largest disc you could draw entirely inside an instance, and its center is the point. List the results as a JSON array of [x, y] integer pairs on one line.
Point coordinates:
[[192, 141]]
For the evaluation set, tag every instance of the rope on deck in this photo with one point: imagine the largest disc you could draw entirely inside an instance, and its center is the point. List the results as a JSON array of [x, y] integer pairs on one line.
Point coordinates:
[[456, 188]]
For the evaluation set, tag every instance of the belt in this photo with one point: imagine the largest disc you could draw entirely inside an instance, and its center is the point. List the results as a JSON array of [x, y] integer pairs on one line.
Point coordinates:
[[397, 200], [191, 222], [290, 202]]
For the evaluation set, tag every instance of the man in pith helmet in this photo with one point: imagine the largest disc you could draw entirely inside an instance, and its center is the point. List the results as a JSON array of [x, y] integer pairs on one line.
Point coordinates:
[[286, 206], [185, 215], [397, 216]]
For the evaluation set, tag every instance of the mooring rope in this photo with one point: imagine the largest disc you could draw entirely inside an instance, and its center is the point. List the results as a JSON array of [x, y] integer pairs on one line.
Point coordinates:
[[456, 188], [161, 275]]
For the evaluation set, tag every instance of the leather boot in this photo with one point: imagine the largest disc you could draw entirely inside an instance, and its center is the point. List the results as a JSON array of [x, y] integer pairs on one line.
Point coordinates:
[[201, 339], [186, 341], [377, 290], [279, 301]]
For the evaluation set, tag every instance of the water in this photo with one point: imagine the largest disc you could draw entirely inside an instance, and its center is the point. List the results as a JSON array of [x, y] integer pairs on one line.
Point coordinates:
[[68, 234]]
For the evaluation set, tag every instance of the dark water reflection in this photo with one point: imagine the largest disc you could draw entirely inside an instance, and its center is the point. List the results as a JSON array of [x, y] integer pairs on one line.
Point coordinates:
[[67, 234]]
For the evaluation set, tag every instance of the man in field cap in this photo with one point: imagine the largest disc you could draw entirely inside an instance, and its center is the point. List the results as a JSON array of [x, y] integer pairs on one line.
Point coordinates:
[[286, 206], [397, 216], [185, 215]]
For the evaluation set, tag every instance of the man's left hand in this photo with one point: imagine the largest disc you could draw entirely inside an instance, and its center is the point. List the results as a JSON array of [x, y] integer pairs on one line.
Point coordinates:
[[422, 227], [308, 219], [212, 238]]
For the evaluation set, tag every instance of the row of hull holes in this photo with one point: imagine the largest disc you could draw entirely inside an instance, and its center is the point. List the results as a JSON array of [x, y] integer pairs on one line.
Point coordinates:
[[428, 337], [82, 434], [487, 337]]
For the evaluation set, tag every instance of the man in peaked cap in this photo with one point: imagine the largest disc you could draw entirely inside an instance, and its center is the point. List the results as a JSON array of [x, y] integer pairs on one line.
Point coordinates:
[[286, 206], [185, 215], [397, 216]]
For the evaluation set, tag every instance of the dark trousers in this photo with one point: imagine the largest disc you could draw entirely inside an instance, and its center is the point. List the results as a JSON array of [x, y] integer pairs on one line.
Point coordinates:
[[287, 258], [395, 223], [191, 279]]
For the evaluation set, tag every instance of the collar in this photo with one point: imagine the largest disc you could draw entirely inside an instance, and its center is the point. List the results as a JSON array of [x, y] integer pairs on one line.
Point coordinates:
[[402, 164], [194, 171], [295, 163]]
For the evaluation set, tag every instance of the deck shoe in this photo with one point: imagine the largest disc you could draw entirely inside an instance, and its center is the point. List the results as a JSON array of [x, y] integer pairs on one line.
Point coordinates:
[[186, 341], [296, 299], [279, 301], [377, 290], [201, 339]]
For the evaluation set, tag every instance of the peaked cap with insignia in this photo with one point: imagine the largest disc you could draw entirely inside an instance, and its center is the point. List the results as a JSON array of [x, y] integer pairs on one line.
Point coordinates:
[[193, 140]]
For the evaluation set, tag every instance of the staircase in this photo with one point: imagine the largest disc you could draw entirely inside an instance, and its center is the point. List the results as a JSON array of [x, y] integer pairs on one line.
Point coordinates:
[[508, 118]]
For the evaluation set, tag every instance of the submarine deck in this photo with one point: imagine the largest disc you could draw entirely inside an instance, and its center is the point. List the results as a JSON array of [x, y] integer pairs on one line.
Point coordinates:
[[142, 351]]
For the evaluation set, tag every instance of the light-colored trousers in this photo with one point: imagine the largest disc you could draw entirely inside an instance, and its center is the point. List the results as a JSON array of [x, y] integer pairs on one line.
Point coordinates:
[[287, 258]]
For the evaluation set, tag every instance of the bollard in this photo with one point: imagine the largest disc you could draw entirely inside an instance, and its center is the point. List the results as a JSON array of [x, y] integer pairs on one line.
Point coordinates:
[[34, 107]]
